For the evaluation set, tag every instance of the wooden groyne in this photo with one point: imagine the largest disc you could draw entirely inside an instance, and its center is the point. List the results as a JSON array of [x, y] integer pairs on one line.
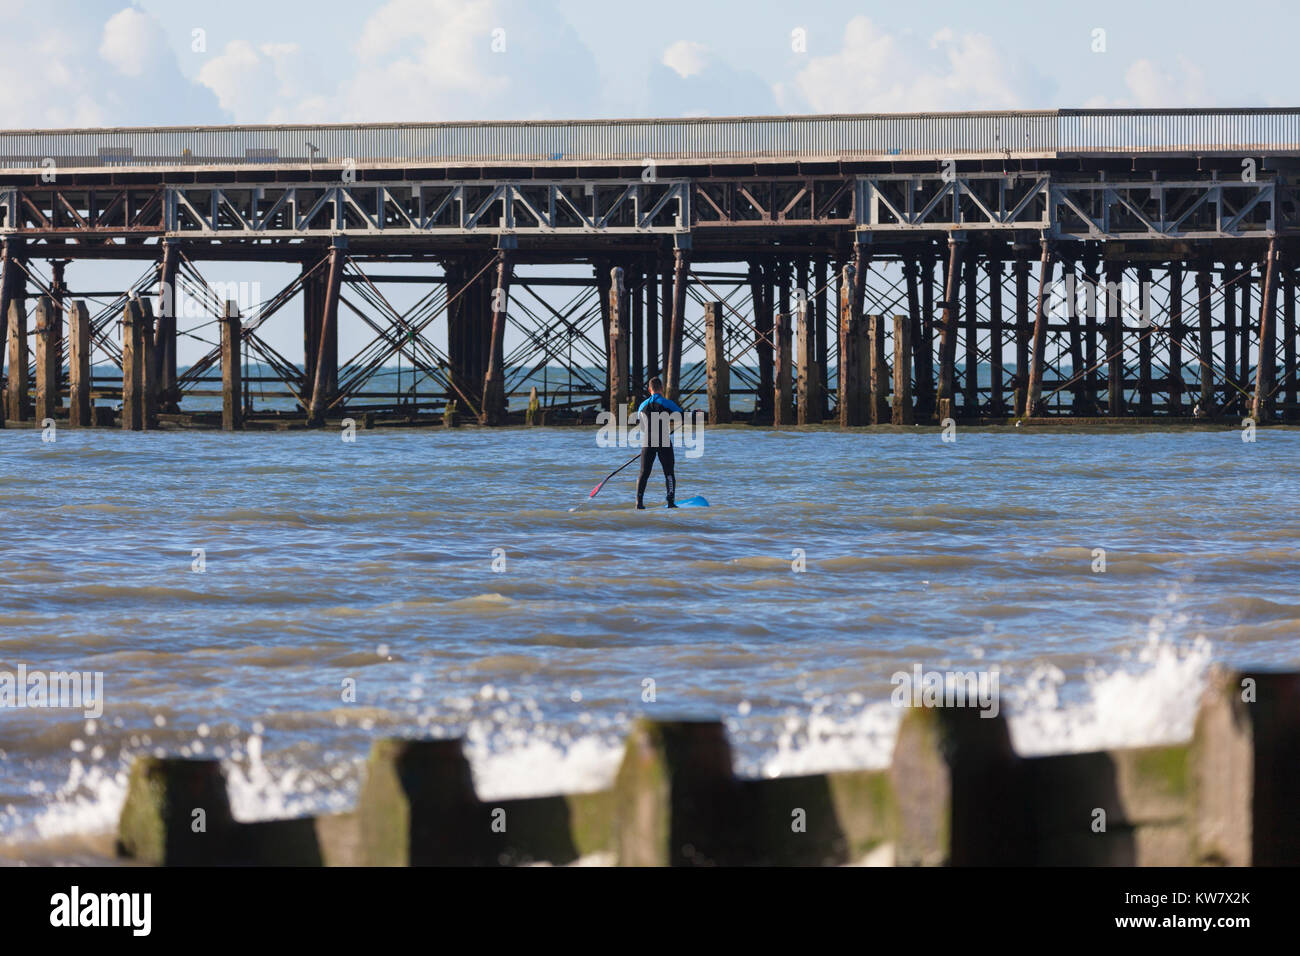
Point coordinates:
[[956, 793]]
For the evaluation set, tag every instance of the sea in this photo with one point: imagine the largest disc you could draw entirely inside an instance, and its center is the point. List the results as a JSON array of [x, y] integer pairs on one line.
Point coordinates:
[[279, 600]]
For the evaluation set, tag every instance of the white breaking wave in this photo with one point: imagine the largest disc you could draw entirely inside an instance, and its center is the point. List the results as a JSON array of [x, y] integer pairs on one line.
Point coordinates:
[[1150, 699]]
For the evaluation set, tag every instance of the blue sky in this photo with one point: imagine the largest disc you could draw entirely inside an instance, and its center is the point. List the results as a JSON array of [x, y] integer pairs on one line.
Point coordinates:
[[108, 62]]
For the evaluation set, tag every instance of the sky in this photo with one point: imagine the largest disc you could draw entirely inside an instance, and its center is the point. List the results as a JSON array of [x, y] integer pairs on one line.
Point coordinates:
[[182, 62], [71, 63]]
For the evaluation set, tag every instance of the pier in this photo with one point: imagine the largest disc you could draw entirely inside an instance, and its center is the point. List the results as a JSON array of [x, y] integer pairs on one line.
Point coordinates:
[[1081, 265]]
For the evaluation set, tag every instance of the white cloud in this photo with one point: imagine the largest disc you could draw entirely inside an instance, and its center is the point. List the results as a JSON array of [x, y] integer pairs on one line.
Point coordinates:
[[690, 80], [1150, 86], [468, 60], [418, 60], [90, 63], [876, 71], [686, 58], [252, 83], [131, 41]]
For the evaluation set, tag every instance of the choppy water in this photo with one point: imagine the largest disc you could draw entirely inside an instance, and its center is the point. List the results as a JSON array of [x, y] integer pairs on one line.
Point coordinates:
[[374, 561]]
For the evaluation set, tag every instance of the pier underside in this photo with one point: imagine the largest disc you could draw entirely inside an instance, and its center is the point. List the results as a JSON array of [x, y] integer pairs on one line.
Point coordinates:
[[905, 290]]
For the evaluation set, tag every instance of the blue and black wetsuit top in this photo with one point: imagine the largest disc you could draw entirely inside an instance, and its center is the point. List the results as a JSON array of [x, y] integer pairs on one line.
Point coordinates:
[[652, 424], [657, 403]]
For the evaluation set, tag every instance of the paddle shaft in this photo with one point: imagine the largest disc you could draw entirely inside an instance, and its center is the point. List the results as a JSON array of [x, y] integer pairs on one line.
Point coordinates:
[[596, 490]]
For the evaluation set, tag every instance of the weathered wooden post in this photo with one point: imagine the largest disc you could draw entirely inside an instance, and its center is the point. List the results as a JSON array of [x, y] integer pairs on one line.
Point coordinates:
[[147, 368], [809, 391], [1205, 320], [176, 813], [958, 787], [132, 374], [495, 402], [81, 413], [1228, 288], [417, 806], [851, 391], [903, 413], [783, 395], [878, 375], [993, 271], [48, 335], [761, 306], [1176, 332], [232, 409], [719, 370], [821, 326], [948, 332], [970, 392], [13, 290], [325, 378], [1267, 325], [1115, 338], [673, 348], [1038, 358], [166, 335], [1244, 752], [19, 384], [1079, 382], [673, 795], [618, 341], [1146, 406], [1021, 271]]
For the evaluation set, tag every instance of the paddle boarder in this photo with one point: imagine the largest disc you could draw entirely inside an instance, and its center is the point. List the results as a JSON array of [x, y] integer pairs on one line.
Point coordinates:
[[656, 440]]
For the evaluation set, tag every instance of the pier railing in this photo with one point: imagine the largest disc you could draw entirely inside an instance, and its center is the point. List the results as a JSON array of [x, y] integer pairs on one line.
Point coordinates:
[[955, 794], [1003, 134]]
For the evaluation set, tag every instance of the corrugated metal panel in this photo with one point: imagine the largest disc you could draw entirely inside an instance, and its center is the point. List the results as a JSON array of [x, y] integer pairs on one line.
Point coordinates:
[[833, 137], [1095, 131]]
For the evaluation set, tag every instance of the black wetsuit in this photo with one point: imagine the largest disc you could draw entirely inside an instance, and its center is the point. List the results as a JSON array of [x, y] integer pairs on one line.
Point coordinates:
[[655, 442]]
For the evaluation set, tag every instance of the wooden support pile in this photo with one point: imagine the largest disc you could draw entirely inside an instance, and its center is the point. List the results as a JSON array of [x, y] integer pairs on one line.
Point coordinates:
[[956, 793]]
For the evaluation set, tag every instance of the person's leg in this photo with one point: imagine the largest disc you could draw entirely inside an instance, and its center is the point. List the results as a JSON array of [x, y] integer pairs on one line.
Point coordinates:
[[647, 462], [667, 460]]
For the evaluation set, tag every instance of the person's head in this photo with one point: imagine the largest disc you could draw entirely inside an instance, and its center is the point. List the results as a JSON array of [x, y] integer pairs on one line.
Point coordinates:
[[656, 386]]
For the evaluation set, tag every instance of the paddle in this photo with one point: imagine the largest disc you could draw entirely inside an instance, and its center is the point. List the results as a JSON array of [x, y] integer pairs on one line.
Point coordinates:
[[595, 491]]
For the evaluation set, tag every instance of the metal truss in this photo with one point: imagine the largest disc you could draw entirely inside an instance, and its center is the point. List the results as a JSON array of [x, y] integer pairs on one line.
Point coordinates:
[[78, 211], [398, 209], [1073, 209], [774, 202], [552, 334], [1172, 210], [1144, 209], [740, 335], [938, 201]]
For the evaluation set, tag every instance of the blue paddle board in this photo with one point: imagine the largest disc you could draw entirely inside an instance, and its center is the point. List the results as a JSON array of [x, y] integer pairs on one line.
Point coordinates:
[[699, 501]]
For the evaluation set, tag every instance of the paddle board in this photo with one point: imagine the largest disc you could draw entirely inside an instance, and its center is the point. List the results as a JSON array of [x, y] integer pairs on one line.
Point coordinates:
[[699, 501]]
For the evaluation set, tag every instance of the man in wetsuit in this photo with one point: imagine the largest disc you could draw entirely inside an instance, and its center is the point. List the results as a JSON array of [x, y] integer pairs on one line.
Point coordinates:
[[656, 440]]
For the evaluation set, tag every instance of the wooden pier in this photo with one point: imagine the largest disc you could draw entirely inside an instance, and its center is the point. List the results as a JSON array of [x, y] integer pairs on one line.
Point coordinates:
[[1066, 264]]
